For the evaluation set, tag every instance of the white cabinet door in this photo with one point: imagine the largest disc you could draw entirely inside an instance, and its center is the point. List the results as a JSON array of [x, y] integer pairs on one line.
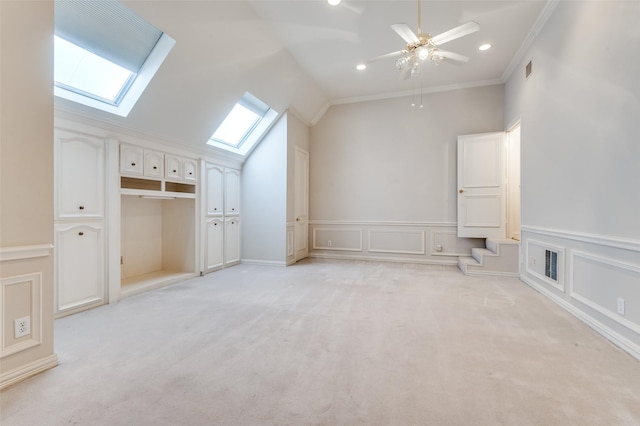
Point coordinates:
[[189, 168], [215, 189], [79, 266], [79, 175], [215, 244], [231, 192], [231, 240], [173, 167], [153, 164], [131, 160]]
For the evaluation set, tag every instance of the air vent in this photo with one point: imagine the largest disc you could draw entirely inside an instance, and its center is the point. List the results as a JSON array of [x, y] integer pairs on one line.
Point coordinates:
[[527, 70], [551, 264]]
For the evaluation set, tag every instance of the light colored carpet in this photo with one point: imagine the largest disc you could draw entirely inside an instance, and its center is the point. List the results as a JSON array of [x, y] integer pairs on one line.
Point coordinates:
[[331, 343]]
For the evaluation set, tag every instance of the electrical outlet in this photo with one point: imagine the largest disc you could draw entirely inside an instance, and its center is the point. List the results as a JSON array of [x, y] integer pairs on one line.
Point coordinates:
[[438, 247], [533, 261], [22, 327], [329, 243], [621, 306]]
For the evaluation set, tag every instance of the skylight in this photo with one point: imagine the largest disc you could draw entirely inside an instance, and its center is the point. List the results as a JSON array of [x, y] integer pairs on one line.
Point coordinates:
[[105, 55], [244, 126], [82, 71]]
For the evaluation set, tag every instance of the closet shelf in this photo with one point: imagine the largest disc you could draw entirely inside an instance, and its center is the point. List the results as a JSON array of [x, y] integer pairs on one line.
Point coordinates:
[[156, 194]]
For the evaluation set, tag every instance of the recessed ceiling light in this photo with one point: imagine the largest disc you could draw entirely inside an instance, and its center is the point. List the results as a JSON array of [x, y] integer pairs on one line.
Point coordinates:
[[485, 46], [361, 67], [334, 2]]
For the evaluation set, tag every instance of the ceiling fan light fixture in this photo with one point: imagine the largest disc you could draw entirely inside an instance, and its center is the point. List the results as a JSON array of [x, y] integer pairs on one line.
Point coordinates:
[[334, 2], [423, 53]]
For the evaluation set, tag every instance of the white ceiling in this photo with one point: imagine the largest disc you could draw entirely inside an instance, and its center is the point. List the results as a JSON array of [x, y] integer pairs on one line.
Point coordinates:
[[301, 55], [329, 41]]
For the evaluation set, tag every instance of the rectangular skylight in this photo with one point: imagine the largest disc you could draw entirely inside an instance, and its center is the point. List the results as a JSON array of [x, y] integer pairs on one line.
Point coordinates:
[[80, 70], [240, 121]]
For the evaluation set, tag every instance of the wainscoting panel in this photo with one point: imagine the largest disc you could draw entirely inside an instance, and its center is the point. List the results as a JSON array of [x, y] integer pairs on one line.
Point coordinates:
[[602, 276], [390, 241], [20, 288], [347, 239], [396, 241], [618, 281]]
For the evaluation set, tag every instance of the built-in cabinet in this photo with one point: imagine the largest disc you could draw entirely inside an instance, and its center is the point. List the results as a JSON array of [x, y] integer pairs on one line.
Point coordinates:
[[79, 221], [221, 217], [158, 219]]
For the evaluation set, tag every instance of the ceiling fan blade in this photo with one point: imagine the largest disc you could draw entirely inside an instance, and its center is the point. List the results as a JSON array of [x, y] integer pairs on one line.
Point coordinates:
[[386, 56], [454, 33], [405, 32], [455, 57], [405, 72]]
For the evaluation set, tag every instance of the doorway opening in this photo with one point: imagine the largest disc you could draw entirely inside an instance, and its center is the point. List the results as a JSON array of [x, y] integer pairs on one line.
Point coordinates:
[[513, 182]]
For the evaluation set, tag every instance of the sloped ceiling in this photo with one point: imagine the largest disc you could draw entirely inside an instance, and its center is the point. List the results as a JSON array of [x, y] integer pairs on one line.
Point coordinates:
[[301, 55]]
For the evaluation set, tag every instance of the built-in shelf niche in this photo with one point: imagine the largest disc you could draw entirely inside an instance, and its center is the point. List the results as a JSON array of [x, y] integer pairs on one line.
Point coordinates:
[[158, 244], [129, 183]]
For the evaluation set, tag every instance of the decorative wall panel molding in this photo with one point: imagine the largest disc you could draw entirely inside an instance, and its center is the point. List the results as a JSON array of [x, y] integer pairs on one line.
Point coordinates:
[[33, 285], [25, 252], [601, 240], [339, 239], [396, 241], [618, 280]]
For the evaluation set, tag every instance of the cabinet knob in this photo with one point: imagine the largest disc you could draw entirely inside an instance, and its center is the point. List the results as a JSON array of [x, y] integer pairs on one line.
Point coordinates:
[[190, 173], [175, 171], [81, 233], [461, 191], [215, 208], [155, 167], [81, 207], [233, 208], [215, 224], [133, 164], [233, 223]]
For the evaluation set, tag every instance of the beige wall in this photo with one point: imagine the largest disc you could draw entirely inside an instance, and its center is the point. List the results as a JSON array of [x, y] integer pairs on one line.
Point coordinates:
[[26, 183]]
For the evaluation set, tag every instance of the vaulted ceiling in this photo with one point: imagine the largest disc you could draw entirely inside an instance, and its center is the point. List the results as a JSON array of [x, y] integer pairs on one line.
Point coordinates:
[[301, 55]]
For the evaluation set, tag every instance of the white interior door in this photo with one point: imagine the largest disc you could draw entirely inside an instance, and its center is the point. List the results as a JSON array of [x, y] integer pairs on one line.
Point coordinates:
[[301, 204], [481, 185]]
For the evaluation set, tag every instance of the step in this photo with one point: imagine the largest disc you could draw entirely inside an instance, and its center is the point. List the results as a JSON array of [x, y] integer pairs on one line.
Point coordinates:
[[501, 257]]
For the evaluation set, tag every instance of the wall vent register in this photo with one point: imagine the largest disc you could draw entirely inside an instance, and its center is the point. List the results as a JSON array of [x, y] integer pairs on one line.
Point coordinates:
[[551, 264]]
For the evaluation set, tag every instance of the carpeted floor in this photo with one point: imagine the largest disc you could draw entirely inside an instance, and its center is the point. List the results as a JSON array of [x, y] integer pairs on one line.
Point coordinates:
[[331, 343]]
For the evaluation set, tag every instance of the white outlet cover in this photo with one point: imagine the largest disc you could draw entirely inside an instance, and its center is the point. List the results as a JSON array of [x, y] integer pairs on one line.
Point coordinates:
[[22, 327]]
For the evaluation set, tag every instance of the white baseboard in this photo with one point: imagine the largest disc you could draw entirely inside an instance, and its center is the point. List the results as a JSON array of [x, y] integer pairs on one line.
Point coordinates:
[[493, 274], [622, 342], [263, 262], [21, 373], [384, 259]]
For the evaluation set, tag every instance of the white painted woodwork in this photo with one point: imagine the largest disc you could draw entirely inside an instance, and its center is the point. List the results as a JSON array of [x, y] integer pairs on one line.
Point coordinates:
[[481, 186], [153, 164], [79, 176], [131, 160], [231, 240], [189, 168], [301, 203], [79, 266], [214, 181], [231, 192], [513, 183], [214, 256], [173, 167]]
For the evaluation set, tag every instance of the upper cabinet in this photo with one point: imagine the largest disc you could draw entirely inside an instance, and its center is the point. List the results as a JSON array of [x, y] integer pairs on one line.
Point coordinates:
[[79, 175], [215, 190], [149, 164], [131, 160], [153, 164], [232, 192], [180, 169]]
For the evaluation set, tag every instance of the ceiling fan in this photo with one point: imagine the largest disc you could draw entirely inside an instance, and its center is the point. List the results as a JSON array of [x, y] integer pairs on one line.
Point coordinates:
[[422, 47]]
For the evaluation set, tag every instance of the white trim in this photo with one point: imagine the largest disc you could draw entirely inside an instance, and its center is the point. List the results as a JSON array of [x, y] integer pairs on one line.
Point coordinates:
[[383, 259], [24, 372], [25, 252], [381, 223], [263, 262], [477, 272], [592, 304], [617, 339], [615, 242], [528, 41], [426, 90], [320, 114]]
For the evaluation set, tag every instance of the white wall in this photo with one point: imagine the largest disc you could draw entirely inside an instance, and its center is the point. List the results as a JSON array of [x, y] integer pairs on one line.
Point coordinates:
[[26, 185], [580, 162], [264, 199], [391, 165]]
